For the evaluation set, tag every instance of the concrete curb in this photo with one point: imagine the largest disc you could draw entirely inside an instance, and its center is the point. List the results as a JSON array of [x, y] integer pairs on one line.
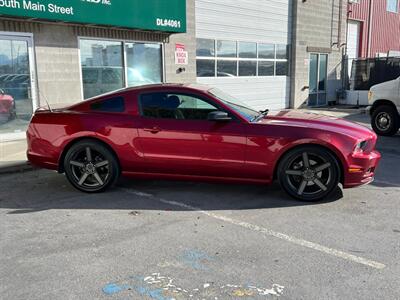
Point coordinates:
[[18, 167]]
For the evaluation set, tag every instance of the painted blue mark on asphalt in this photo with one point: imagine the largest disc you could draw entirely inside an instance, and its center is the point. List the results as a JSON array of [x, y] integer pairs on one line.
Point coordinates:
[[156, 294], [196, 259], [112, 288]]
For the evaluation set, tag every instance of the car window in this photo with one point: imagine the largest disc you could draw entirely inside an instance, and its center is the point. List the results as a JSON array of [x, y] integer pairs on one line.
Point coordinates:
[[175, 106], [116, 104], [235, 104]]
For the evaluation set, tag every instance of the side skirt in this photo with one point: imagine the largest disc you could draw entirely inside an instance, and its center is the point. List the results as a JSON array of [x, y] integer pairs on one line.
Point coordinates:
[[179, 177]]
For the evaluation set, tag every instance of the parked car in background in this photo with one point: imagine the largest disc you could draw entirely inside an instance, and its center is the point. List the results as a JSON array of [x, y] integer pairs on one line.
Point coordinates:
[[384, 101], [199, 133], [7, 107]]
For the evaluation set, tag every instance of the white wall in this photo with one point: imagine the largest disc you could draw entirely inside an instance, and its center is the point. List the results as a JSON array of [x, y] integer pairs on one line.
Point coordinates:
[[263, 21]]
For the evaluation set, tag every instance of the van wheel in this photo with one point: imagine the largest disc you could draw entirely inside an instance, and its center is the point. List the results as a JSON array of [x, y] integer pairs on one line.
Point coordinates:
[[91, 167], [385, 120]]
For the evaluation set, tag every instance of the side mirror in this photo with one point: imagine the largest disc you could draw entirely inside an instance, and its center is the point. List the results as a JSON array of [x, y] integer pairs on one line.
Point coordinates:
[[219, 116]]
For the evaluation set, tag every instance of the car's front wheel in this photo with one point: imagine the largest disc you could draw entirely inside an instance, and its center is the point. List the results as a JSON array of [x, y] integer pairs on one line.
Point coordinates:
[[309, 173], [385, 120], [91, 167]]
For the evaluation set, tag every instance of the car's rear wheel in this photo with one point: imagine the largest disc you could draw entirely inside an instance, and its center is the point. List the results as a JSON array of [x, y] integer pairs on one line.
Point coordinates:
[[91, 167], [385, 120], [309, 173]]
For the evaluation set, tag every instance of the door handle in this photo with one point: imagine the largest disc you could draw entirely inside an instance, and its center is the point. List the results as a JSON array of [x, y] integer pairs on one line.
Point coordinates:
[[153, 130]]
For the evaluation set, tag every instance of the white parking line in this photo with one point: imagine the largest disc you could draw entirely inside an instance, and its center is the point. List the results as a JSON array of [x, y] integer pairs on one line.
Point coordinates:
[[266, 231]]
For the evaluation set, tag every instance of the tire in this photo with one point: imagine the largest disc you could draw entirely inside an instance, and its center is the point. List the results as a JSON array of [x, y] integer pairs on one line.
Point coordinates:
[[13, 115], [385, 120], [91, 167], [309, 173]]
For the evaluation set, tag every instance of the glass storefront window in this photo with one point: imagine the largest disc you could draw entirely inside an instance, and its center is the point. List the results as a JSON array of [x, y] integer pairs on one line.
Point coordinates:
[[104, 69], [16, 103], [143, 63]]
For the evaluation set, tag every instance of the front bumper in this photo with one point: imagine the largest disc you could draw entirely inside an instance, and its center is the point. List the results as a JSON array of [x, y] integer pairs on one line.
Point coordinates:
[[361, 169]]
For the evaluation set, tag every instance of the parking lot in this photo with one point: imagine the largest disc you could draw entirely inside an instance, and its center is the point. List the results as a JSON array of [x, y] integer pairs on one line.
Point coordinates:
[[180, 240]]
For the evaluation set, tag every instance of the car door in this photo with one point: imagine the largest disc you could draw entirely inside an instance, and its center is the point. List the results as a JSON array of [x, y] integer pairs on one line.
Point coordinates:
[[176, 137]]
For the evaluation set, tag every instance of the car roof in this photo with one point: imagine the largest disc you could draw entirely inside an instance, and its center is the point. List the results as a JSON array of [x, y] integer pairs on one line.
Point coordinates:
[[157, 86], [170, 85]]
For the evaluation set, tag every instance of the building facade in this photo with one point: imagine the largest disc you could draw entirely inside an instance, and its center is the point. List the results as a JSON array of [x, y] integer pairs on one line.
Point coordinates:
[[53, 53], [373, 28], [318, 47], [268, 53]]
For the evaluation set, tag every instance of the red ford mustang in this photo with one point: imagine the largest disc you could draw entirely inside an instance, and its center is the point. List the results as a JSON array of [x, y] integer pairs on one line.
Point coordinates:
[[199, 133]]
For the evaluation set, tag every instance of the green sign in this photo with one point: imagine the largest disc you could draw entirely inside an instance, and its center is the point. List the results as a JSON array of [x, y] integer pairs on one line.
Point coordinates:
[[160, 15]]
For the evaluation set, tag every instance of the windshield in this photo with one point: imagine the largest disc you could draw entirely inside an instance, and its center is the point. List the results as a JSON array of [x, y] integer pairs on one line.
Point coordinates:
[[238, 106]]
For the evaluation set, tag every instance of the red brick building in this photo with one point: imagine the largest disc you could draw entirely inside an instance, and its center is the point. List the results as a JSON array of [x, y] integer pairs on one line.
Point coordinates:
[[373, 28]]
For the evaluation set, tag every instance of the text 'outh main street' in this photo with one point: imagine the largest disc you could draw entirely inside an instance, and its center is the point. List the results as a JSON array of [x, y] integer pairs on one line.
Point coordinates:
[[37, 6]]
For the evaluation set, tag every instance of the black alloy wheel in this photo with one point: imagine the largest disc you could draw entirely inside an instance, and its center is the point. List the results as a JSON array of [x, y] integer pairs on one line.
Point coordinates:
[[91, 167], [385, 120], [309, 173]]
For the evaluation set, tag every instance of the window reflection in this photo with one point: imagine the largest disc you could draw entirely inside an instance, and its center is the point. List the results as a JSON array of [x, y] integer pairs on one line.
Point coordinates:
[[16, 105], [103, 68], [226, 49], [143, 63]]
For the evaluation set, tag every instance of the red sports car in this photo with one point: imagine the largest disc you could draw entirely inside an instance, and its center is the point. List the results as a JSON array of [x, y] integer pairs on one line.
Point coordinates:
[[6, 107], [199, 133]]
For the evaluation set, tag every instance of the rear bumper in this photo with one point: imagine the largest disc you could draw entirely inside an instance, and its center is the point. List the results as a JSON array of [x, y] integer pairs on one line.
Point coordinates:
[[41, 162], [361, 169]]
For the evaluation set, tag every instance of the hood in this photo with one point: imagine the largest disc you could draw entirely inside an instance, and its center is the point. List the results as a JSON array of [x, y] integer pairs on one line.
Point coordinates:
[[392, 84], [296, 118], [388, 90]]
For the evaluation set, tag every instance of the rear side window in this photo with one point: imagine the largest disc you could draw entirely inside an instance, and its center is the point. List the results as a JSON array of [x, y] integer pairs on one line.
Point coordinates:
[[116, 104]]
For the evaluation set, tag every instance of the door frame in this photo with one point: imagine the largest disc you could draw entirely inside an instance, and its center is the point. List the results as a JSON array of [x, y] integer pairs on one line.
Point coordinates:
[[318, 73], [28, 37], [358, 49]]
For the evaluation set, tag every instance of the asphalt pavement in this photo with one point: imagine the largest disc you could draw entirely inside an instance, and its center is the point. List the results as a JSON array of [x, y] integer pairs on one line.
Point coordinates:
[[181, 240]]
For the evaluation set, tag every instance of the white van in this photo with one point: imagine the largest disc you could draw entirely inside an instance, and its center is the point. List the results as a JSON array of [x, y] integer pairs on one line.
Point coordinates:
[[384, 101]]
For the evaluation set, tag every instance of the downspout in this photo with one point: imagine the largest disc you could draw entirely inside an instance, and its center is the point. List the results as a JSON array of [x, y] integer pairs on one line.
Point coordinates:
[[339, 44], [371, 9], [345, 67]]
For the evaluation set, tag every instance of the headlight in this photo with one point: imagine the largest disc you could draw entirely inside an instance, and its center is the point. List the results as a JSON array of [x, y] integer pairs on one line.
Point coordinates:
[[370, 94], [361, 146]]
